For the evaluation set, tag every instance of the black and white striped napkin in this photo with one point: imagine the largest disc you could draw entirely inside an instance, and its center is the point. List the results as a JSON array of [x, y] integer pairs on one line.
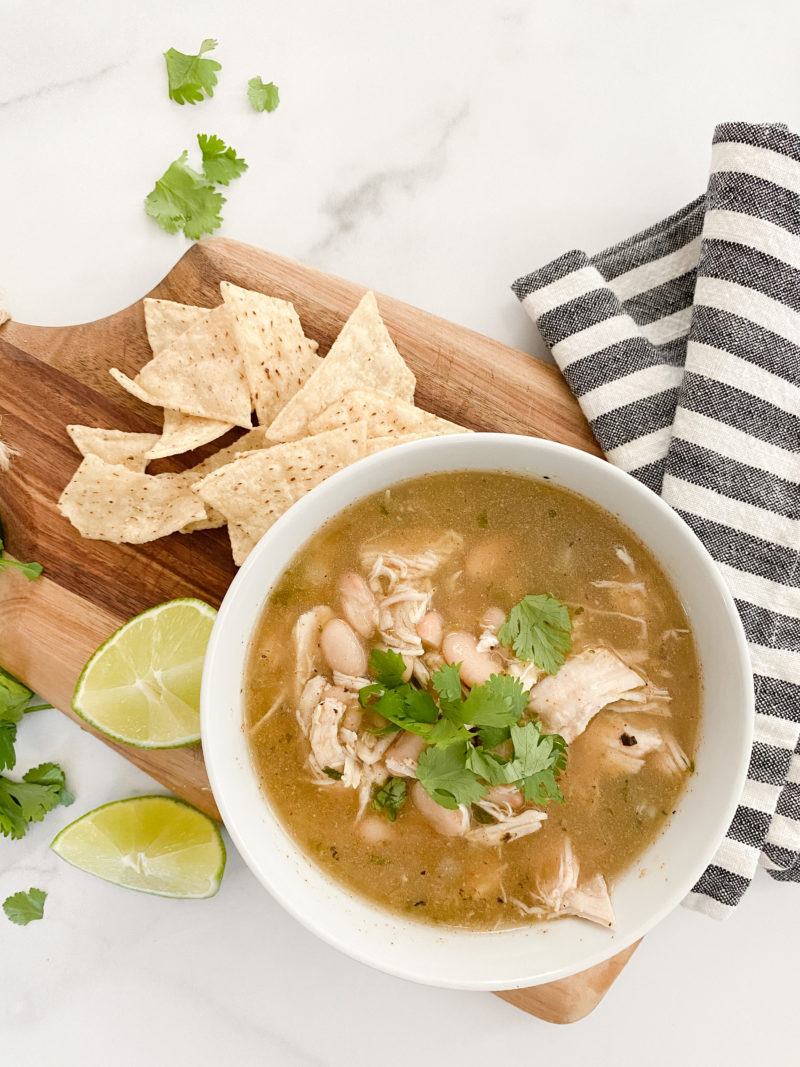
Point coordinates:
[[682, 346]]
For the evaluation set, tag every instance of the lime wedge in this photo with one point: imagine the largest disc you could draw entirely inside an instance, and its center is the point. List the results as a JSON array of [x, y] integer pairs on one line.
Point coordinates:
[[155, 844], [143, 685]]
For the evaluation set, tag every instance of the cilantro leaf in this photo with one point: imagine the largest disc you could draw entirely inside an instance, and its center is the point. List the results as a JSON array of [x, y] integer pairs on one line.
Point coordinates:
[[446, 777], [13, 698], [390, 798], [492, 736], [333, 773], [30, 570], [388, 667], [446, 732], [487, 765], [184, 200], [191, 78], [538, 628], [220, 164], [42, 788], [263, 97], [447, 683], [394, 705], [538, 758], [23, 908], [498, 702]]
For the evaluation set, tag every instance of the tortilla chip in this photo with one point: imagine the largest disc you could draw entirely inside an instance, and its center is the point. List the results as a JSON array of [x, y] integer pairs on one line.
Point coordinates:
[[165, 321], [108, 502], [385, 415], [5, 316], [114, 446], [242, 542], [380, 444], [244, 445], [200, 373], [260, 486], [362, 356], [278, 357], [182, 433]]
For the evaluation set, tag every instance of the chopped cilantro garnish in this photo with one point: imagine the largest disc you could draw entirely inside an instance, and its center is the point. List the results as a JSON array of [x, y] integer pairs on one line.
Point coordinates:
[[388, 667], [498, 702], [220, 163], [30, 570], [191, 78], [332, 773], [447, 779], [389, 798], [184, 200], [458, 765], [538, 759], [538, 628], [263, 97], [23, 908], [483, 519]]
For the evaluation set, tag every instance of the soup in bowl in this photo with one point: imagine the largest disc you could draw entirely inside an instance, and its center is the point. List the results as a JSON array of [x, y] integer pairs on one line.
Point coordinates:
[[472, 691]]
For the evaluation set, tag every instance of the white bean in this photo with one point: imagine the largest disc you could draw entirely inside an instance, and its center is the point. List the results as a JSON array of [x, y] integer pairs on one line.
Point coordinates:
[[431, 629], [443, 820], [493, 618], [476, 667], [342, 649]]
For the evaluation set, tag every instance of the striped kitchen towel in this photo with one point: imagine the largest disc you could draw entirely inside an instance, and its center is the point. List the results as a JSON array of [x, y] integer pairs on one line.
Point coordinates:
[[682, 346]]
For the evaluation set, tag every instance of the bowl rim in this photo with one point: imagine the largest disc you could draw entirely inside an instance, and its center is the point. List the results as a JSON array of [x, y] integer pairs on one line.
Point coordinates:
[[297, 514]]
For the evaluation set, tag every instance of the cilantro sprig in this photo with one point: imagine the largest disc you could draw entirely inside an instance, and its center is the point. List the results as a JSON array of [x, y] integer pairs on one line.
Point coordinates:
[[42, 788], [191, 78], [538, 628], [184, 199], [460, 763], [23, 908]]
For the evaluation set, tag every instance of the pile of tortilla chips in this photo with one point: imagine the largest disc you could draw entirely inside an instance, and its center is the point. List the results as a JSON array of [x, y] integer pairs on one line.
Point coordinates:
[[211, 369]]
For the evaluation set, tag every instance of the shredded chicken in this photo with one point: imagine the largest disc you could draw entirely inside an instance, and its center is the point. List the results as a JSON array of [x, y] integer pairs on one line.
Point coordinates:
[[565, 893], [307, 633], [401, 584], [567, 701], [402, 756], [508, 827]]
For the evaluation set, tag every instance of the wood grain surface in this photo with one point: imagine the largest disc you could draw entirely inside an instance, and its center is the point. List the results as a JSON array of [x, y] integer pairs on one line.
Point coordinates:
[[52, 376]]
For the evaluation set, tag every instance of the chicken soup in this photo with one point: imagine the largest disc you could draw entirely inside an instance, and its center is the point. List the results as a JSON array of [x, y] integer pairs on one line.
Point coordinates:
[[473, 699]]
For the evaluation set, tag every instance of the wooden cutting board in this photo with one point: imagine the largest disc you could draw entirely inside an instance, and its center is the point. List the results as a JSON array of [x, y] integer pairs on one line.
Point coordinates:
[[52, 376]]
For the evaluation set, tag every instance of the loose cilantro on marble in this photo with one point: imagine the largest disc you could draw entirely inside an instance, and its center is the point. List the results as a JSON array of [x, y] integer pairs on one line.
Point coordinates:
[[23, 908], [184, 200], [42, 788], [22, 802], [538, 628], [191, 78], [220, 163], [263, 97]]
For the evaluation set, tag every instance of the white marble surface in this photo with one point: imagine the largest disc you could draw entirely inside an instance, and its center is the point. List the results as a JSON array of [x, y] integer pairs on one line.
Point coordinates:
[[434, 150]]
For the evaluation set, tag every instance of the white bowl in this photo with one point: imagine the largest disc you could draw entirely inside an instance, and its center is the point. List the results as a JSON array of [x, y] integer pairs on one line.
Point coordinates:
[[544, 951]]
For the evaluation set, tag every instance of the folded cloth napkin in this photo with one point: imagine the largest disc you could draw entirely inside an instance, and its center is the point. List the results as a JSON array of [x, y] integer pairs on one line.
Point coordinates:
[[682, 346]]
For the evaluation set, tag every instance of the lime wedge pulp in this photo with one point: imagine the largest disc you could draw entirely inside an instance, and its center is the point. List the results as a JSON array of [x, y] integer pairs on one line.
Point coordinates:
[[154, 844], [143, 685]]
